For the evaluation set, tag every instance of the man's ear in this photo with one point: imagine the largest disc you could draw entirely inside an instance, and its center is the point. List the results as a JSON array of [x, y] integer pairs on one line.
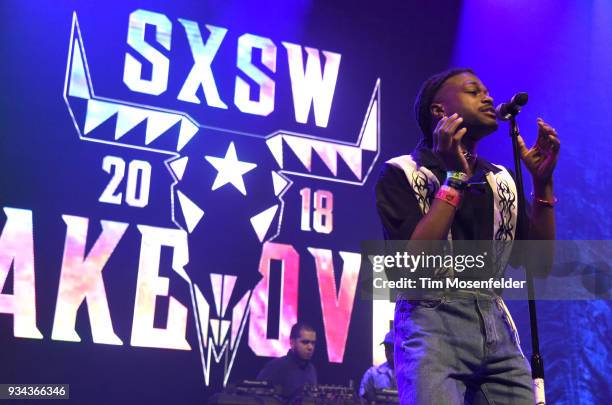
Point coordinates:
[[437, 111]]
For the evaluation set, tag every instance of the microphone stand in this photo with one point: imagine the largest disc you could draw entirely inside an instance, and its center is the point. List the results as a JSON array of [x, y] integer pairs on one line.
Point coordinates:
[[537, 363]]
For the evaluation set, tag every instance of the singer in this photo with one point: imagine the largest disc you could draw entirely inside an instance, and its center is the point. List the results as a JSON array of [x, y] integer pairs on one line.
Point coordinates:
[[461, 347]]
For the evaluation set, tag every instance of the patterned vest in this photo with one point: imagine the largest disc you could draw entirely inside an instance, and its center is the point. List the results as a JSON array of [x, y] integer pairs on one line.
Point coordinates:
[[425, 185]]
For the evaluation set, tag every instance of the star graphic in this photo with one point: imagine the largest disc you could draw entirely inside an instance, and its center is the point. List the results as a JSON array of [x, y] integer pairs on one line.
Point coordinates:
[[230, 169]]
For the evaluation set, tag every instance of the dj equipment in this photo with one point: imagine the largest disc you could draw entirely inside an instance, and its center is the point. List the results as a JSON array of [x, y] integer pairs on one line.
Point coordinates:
[[386, 396], [249, 392], [328, 395]]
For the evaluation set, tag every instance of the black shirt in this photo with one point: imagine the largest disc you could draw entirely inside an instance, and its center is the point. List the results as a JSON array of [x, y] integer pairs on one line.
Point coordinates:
[[290, 372], [400, 213]]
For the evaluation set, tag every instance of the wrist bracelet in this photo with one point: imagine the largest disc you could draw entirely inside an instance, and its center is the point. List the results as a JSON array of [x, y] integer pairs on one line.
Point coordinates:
[[461, 176], [456, 184], [449, 195], [546, 203]]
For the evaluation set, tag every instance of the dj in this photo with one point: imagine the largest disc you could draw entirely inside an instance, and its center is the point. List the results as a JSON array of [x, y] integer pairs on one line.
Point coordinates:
[[295, 370]]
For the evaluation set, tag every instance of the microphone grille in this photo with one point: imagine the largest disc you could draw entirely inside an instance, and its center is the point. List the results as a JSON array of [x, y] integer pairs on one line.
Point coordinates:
[[520, 99]]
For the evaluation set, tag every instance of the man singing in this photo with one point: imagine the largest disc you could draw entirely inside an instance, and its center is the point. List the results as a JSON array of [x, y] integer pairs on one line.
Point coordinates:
[[462, 346]]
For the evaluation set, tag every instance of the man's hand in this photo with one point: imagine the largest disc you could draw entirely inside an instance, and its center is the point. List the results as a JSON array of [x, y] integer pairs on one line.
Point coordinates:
[[447, 141], [541, 159]]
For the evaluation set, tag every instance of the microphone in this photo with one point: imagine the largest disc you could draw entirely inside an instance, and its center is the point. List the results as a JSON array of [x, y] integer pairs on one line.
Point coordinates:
[[505, 111]]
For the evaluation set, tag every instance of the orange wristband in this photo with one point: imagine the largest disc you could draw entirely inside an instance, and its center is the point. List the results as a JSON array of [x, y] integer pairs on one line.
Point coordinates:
[[449, 195]]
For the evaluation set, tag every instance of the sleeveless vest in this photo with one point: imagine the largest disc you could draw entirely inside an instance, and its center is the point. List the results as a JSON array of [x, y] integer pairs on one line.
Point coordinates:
[[425, 185]]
